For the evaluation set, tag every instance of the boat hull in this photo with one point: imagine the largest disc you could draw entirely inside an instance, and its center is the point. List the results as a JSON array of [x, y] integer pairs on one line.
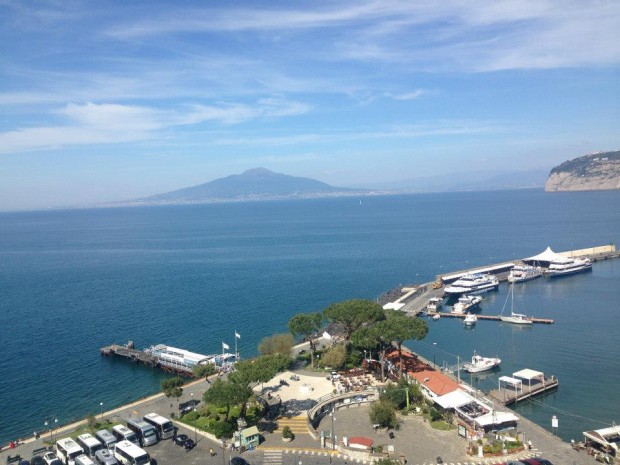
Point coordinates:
[[568, 272]]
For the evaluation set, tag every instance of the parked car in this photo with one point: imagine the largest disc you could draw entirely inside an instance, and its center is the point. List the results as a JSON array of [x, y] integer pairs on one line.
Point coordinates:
[[189, 444], [536, 461], [51, 458], [180, 439], [37, 460]]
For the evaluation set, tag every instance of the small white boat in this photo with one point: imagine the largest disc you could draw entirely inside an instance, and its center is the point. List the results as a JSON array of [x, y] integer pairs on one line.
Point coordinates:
[[436, 317], [514, 318], [520, 273], [466, 302], [470, 320], [479, 363], [434, 304]]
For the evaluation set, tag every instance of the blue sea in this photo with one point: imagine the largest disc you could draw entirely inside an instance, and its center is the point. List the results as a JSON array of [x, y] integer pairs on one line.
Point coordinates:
[[72, 281]]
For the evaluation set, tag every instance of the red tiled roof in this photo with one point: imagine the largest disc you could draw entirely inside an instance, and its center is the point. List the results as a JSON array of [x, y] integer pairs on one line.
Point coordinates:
[[436, 382]]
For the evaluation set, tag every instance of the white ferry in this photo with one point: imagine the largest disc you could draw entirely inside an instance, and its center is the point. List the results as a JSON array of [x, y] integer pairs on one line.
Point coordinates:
[[568, 266], [472, 284], [520, 273]]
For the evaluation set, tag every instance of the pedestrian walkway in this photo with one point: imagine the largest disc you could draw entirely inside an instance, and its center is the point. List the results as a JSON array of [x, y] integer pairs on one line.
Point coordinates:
[[272, 457]]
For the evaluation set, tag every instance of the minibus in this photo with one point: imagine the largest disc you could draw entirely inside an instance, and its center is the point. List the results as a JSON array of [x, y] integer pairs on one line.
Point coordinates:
[[129, 454], [163, 426], [122, 433], [145, 431], [67, 450], [89, 444]]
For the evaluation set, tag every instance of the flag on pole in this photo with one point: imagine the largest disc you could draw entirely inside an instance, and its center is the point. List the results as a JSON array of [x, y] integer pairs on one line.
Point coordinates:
[[237, 335], [225, 346]]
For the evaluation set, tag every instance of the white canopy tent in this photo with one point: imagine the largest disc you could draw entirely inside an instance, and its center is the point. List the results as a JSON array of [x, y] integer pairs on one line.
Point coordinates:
[[453, 399], [496, 418], [529, 375], [514, 382], [547, 256]]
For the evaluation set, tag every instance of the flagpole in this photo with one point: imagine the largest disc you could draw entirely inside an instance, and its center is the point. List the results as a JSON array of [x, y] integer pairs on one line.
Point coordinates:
[[236, 351]]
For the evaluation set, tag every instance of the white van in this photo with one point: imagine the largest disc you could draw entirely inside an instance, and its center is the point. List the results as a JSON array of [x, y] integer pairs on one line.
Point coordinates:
[[145, 431]]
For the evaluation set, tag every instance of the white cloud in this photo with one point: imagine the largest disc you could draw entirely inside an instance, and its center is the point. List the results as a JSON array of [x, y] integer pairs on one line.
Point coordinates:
[[113, 123]]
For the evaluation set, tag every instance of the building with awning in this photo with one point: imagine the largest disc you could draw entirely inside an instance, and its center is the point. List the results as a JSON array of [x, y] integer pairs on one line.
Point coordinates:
[[606, 439]]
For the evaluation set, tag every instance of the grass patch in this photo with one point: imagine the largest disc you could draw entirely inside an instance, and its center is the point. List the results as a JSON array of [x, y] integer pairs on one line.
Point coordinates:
[[441, 425]]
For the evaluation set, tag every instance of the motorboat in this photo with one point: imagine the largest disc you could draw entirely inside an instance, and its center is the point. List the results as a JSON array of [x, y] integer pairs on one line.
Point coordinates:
[[567, 266], [470, 320], [436, 316], [466, 302], [520, 273], [479, 363], [514, 318], [472, 284], [434, 304]]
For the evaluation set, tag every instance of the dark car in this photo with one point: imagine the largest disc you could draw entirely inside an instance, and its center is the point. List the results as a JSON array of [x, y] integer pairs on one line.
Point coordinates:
[[536, 461], [180, 439], [37, 460], [238, 461], [189, 444], [105, 457]]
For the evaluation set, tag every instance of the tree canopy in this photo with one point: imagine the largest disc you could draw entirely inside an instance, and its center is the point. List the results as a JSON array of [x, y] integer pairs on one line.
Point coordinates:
[[276, 344], [353, 314], [171, 387], [306, 324], [226, 393]]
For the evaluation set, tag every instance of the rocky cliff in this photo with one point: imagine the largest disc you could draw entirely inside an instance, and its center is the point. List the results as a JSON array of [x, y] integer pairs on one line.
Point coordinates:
[[596, 171]]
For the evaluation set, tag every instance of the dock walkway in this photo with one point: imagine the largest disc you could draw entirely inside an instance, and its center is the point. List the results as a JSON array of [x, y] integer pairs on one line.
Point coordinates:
[[511, 396], [544, 321]]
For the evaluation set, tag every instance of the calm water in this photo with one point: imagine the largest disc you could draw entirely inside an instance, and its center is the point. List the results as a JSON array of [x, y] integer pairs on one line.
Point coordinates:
[[73, 281]]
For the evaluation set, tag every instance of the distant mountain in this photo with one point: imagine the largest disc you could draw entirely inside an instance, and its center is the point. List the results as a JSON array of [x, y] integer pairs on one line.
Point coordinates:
[[596, 171], [254, 184], [470, 181]]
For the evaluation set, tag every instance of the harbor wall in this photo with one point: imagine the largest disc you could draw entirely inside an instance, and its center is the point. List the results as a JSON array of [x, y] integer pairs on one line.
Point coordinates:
[[590, 251]]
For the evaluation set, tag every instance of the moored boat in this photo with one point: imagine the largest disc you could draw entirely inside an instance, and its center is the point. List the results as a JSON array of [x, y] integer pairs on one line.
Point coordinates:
[[520, 273], [514, 318], [472, 284], [470, 320], [568, 266], [434, 304], [479, 363], [466, 302]]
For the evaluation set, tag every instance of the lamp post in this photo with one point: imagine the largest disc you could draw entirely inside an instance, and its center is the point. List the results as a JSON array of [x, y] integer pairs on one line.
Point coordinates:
[[333, 433], [101, 406], [48, 426]]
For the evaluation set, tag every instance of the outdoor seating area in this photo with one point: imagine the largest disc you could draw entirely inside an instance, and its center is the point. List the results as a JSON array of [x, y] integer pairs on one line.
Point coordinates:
[[356, 379]]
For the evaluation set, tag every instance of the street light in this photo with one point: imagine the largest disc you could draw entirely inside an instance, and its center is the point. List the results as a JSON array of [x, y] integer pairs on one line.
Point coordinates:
[[333, 433], [101, 405], [195, 431]]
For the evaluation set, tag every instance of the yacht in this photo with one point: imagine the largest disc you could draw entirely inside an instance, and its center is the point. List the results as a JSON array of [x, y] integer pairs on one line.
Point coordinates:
[[476, 283], [479, 363], [520, 273], [569, 266], [466, 302], [470, 320]]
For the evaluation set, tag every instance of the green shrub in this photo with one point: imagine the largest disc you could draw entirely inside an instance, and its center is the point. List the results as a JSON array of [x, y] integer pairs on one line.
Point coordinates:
[[222, 429], [191, 416], [287, 432]]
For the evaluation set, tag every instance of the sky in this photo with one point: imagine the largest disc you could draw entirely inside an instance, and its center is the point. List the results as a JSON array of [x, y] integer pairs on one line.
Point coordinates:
[[115, 100]]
